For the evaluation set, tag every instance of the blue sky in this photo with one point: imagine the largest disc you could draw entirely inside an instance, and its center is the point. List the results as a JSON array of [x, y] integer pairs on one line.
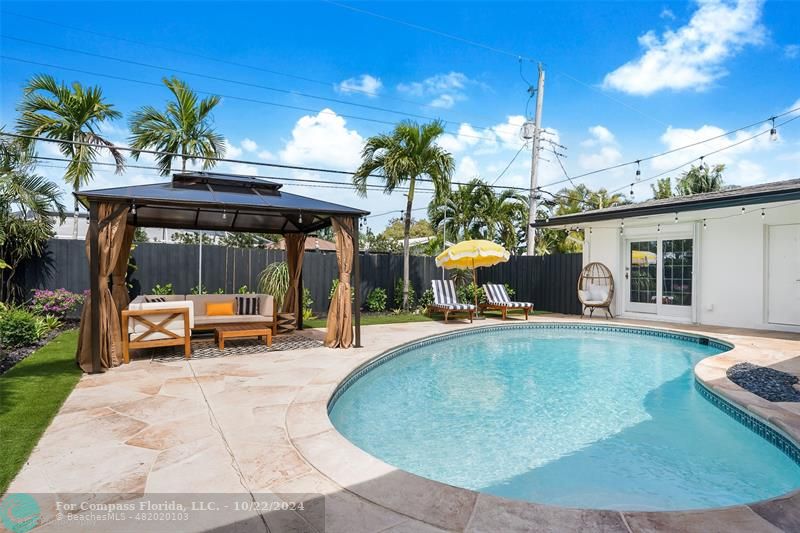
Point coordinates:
[[624, 80]]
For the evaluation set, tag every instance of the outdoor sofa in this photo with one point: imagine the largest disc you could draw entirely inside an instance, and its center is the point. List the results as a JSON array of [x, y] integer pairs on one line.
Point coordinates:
[[153, 321]]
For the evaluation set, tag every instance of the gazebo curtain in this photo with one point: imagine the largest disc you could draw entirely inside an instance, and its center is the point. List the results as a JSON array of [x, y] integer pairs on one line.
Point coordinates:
[[119, 291], [111, 236], [295, 250], [340, 314]]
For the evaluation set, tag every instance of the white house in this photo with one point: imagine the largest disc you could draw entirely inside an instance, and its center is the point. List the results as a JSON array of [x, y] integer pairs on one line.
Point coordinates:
[[728, 258]]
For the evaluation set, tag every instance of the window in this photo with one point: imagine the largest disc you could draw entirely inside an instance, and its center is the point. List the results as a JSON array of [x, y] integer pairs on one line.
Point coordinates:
[[676, 285]]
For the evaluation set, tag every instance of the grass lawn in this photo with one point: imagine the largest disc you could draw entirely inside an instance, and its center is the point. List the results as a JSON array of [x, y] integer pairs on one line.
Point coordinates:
[[30, 395], [370, 320]]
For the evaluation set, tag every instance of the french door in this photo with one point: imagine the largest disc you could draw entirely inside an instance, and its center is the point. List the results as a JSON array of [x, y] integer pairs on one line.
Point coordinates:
[[659, 276]]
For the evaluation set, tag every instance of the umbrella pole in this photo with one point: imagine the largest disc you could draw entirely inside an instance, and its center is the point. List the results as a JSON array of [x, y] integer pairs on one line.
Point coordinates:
[[475, 282]]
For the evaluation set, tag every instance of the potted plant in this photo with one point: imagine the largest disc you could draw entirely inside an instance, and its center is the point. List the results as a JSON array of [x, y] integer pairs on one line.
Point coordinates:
[[274, 280]]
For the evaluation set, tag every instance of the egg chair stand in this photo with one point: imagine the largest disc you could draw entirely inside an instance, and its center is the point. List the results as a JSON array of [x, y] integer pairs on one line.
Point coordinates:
[[596, 289]]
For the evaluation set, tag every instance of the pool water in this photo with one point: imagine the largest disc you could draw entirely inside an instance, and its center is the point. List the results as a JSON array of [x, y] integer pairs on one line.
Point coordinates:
[[587, 418]]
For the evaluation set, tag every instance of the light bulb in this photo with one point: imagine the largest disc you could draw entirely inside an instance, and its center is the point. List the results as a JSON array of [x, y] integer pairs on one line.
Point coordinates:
[[301, 217], [133, 209], [638, 171], [773, 132], [676, 218], [763, 214], [631, 189], [659, 228], [743, 210], [224, 214], [705, 226]]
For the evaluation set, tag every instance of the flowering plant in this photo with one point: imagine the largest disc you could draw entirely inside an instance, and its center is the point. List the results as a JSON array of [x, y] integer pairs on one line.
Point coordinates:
[[58, 302]]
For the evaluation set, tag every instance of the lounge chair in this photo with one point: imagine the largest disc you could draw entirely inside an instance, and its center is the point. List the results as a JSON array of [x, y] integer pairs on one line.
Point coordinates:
[[445, 300], [497, 299]]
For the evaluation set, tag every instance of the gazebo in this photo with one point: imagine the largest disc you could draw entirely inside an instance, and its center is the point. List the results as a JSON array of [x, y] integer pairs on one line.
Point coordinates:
[[214, 202]]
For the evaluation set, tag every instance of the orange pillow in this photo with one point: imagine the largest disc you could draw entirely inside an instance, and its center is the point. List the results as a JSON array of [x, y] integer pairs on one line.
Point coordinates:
[[219, 309]]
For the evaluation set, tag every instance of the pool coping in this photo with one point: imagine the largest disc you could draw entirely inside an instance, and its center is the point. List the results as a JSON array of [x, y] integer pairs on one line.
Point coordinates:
[[453, 508]]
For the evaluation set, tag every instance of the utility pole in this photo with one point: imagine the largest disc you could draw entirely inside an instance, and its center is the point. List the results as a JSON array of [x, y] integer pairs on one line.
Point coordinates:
[[537, 131]]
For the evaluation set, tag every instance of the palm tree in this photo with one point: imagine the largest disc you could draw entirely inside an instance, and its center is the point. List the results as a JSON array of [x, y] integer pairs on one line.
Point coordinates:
[[662, 188], [69, 114], [700, 178], [400, 158], [500, 216], [27, 202], [458, 211], [184, 127]]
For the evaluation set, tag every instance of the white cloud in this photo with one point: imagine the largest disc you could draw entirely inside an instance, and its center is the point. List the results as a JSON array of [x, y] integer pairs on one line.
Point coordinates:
[[231, 150], [323, 139], [667, 13], [364, 84], [249, 145], [445, 89], [467, 168], [792, 51], [692, 56], [266, 155], [603, 149], [467, 136]]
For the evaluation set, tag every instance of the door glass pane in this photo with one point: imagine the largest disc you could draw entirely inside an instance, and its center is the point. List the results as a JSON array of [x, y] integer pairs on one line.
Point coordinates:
[[644, 272], [676, 288]]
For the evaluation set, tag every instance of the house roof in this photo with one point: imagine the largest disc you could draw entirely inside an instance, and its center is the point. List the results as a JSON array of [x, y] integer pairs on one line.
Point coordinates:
[[221, 202], [778, 191]]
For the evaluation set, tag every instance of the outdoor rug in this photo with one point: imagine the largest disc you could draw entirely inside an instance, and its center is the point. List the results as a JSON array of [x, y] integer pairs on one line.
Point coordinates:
[[207, 348]]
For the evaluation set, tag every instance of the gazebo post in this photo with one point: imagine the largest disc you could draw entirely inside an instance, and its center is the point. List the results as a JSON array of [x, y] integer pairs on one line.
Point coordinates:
[[298, 319], [357, 281], [94, 284]]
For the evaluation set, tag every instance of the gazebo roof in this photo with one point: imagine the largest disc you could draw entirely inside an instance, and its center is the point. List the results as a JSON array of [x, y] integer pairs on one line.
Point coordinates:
[[222, 202]]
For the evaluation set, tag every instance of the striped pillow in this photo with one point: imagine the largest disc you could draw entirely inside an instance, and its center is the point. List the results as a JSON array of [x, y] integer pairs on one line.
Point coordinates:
[[155, 299], [248, 305]]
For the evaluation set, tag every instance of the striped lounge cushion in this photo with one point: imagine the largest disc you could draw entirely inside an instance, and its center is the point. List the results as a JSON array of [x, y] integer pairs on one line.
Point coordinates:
[[496, 295], [456, 307], [248, 305], [155, 299]]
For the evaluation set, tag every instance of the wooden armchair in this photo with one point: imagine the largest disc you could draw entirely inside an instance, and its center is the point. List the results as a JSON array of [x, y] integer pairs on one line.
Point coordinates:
[[156, 327]]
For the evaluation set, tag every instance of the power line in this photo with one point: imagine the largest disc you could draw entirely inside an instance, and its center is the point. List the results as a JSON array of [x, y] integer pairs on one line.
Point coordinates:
[[207, 158], [430, 30], [673, 150], [242, 83], [214, 59], [702, 157], [521, 148]]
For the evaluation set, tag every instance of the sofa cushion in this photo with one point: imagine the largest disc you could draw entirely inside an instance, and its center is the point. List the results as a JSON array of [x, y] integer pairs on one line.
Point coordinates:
[[136, 326], [156, 335], [204, 320], [248, 305], [219, 308]]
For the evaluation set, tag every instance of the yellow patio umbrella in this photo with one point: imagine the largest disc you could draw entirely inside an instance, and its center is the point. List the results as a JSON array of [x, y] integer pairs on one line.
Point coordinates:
[[472, 254]]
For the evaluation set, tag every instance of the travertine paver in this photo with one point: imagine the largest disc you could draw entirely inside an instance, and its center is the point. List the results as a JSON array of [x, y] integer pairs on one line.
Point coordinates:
[[259, 423]]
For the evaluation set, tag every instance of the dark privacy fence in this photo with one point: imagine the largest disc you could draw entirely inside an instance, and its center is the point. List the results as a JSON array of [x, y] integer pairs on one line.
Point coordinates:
[[548, 281]]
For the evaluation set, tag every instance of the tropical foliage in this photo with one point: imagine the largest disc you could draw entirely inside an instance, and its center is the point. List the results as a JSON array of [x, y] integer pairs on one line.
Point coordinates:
[[407, 154], [27, 202], [699, 179], [274, 280], [184, 129], [69, 114]]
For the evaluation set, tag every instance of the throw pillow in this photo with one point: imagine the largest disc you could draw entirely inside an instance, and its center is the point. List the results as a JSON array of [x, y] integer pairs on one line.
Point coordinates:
[[219, 308], [155, 299], [248, 305]]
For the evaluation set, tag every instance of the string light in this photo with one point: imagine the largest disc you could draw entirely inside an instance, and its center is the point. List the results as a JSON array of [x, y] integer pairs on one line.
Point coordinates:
[[638, 170], [676, 218], [659, 228], [224, 214], [705, 226], [743, 210], [301, 217], [763, 214], [133, 210], [631, 190], [773, 132]]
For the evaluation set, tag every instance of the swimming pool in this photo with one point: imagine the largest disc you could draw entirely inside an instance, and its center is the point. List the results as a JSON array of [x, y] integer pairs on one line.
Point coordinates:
[[577, 416]]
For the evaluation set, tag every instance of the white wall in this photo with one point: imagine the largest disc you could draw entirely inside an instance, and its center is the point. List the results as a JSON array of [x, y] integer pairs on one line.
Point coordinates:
[[730, 278]]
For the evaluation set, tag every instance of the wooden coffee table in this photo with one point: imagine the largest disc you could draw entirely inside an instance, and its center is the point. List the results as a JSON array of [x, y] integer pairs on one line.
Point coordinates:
[[221, 333]]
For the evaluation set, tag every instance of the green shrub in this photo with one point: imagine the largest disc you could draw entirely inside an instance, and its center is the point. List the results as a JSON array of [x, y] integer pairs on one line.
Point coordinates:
[[426, 299], [308, 303], [376, 301], [244, 289], [274, 280], [162, 289], [466, 293], [18, 327], [398, 294]]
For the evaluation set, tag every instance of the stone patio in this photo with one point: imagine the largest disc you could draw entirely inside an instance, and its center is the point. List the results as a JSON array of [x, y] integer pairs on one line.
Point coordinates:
[[257, 423]]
